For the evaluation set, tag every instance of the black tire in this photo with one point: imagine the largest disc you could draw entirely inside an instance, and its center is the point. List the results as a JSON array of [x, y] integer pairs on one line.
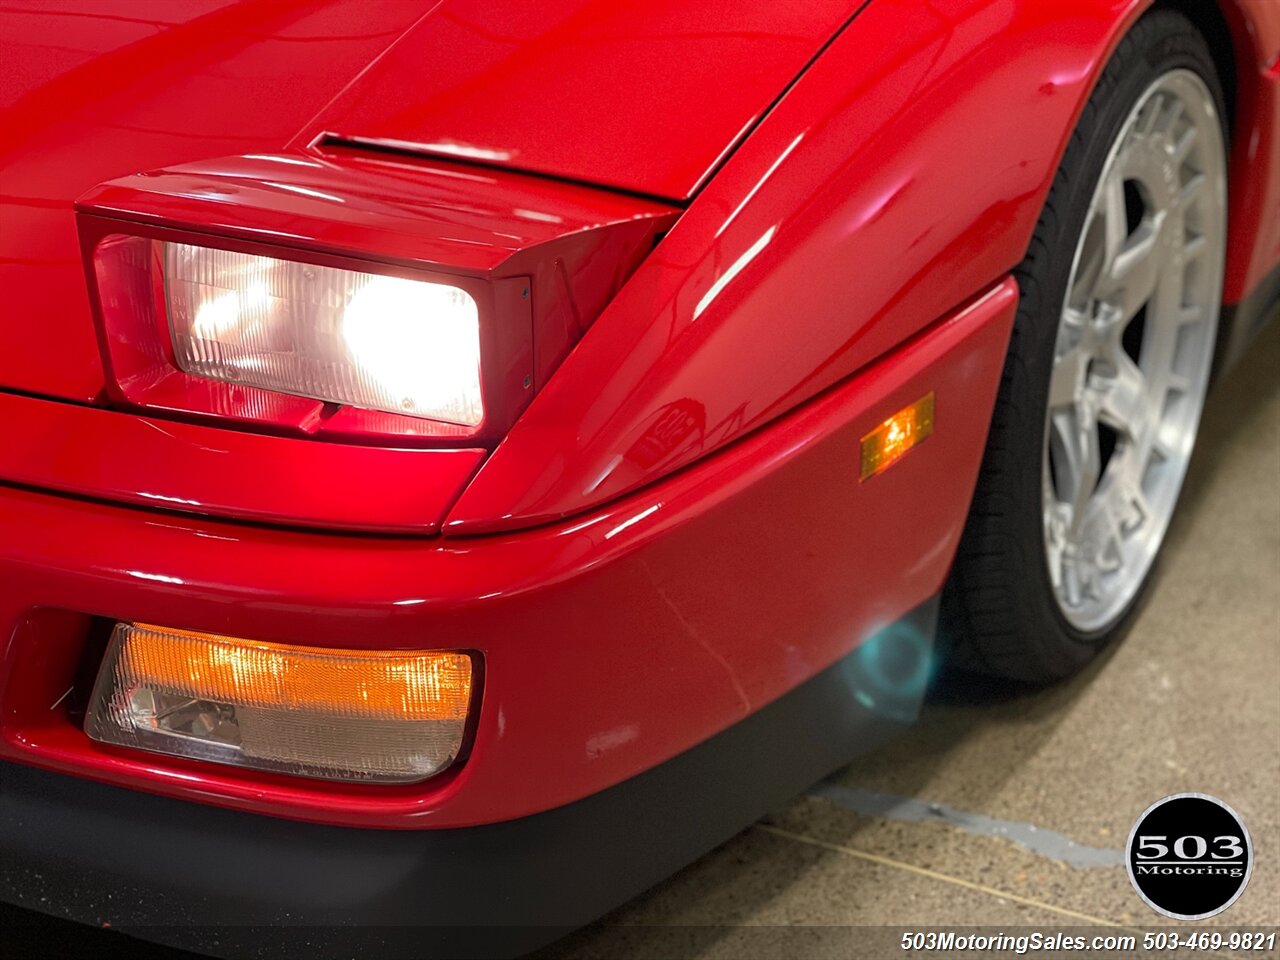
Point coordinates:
[[999, 613]]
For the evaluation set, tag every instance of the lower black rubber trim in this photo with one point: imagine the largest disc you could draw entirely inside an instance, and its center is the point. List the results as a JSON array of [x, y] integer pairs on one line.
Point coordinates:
[[233, 884]]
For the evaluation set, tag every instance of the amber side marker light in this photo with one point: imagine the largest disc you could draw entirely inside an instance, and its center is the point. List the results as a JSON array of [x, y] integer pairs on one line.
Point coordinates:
[[369, 715], [888, 443]]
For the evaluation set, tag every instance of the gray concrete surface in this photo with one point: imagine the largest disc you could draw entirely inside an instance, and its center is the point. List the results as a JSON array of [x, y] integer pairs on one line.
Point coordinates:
[[1189, 701]]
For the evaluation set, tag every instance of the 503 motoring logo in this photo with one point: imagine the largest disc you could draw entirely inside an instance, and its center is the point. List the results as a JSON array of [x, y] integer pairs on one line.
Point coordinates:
[[1189, 856]]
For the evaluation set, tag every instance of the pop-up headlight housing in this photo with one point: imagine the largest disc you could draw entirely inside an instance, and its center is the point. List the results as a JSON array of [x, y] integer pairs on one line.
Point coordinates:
[[350, 297]]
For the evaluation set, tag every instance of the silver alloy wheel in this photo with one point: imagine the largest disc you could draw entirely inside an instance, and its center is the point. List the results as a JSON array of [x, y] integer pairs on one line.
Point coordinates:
[[1133, 351]]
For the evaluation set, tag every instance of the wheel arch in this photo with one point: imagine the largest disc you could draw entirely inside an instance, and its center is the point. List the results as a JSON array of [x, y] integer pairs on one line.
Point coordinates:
[[1212, 20]]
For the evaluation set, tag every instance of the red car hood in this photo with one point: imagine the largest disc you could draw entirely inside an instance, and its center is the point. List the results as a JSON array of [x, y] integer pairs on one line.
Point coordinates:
[[645, 97]]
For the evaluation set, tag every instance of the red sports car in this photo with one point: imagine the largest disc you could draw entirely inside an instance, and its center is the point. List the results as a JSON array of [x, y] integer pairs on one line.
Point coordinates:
[[460, 460]]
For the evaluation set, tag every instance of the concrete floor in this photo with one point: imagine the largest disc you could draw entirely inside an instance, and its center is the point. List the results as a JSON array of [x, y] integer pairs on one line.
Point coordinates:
[[1187, 702], [937, 828]]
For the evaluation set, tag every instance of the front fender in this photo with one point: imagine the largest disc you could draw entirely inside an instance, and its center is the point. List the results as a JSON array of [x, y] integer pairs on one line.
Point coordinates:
[[904, 172]]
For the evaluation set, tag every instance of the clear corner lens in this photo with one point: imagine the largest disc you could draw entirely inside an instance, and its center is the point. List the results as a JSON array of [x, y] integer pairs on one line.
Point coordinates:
[[358, 339], [335, 714]]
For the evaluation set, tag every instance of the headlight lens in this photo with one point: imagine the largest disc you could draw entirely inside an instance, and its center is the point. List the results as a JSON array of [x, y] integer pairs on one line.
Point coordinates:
[[341, 336]]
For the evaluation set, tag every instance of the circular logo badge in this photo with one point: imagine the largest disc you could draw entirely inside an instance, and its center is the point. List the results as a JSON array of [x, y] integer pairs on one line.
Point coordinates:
[[1189, 856]]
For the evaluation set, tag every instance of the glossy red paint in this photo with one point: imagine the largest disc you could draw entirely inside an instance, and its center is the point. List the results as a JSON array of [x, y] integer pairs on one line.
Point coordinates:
[[862, 207], [647, 97], [196, 468], [883, 189], [571, 619], [1253, 249], [697, 446], [90, 91], [541, 259], [432, 215]]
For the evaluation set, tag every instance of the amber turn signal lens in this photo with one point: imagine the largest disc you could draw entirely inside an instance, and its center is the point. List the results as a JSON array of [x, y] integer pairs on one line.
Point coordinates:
[[888, 443], [341, 714]]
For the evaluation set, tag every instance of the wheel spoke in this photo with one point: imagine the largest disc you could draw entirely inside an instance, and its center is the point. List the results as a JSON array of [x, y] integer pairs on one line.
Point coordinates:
[[1182, 149], [1093, 260], [1115, 218], [1191, 190], [1125, 400], [1136, 268], [1130, 504], [1082, 455], [1108, 539], [1067, 379], [1171, 120], [1148, 123], [1056, 542]]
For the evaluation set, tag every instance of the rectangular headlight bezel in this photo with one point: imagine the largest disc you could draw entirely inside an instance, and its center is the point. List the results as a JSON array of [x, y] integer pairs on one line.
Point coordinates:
[[126, 279]]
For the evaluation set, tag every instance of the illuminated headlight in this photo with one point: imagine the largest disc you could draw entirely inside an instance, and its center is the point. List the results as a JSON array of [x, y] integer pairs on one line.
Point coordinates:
[[387, 716], [345, 337]]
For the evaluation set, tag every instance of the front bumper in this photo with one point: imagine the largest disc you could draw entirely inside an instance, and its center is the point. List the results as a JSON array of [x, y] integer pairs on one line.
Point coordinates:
[[234, 884], [611, 642], [655, 674]]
